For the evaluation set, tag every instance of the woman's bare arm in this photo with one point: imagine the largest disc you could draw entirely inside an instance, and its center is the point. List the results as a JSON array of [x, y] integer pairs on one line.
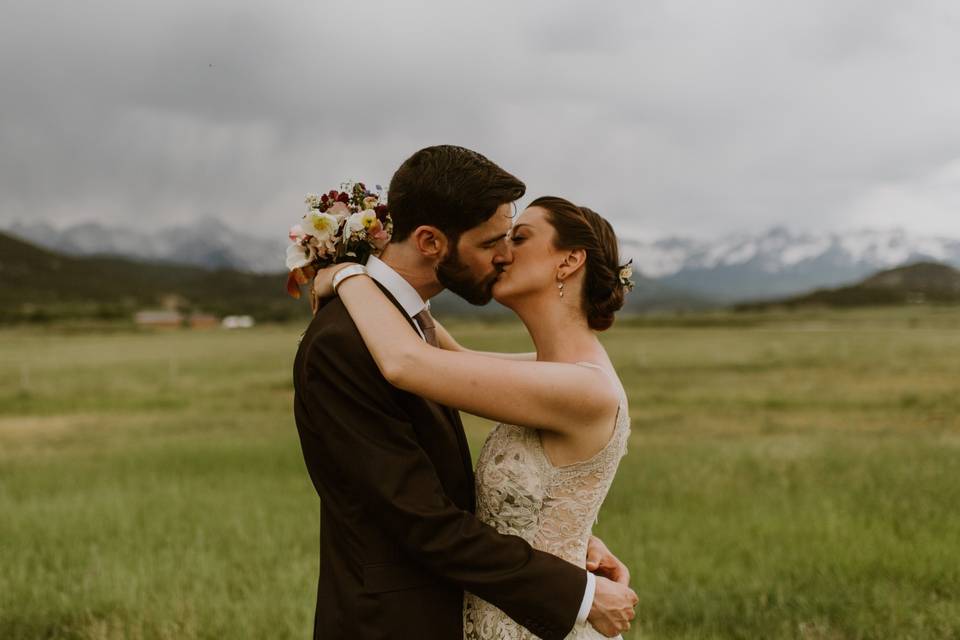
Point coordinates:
[[447, 341], [544, 395]]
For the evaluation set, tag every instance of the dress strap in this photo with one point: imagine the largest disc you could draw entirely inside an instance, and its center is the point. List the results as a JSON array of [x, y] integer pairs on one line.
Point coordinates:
[[590, 364], [597, 367], [623, 393]]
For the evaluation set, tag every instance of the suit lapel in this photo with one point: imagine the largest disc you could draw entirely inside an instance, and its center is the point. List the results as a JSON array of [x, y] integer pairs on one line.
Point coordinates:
[[464, 453]]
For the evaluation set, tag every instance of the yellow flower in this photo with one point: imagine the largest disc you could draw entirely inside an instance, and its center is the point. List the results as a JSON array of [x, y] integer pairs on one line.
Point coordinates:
[[320, 225]]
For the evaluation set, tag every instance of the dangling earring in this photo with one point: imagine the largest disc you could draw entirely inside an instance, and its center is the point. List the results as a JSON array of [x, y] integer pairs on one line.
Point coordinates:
[[560, 286]]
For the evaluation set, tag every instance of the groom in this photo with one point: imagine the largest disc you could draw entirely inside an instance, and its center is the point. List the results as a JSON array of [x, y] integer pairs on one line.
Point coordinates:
[[399, 543]]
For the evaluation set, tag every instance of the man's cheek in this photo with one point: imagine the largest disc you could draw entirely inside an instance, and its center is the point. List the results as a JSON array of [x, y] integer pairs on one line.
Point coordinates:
[[480, 264]]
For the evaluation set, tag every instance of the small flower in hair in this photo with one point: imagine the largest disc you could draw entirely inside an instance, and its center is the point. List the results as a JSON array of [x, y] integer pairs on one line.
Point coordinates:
[[626, 273]]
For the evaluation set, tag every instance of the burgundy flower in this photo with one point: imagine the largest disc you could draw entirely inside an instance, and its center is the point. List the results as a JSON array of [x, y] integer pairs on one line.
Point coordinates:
[[344, 198], [381, 211]]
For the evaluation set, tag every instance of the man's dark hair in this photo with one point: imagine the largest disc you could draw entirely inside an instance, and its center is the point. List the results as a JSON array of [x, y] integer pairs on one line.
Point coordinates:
[[448, 187]]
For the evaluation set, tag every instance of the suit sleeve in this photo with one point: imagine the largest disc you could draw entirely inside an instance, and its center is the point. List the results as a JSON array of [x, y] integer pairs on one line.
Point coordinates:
[[355, 410]]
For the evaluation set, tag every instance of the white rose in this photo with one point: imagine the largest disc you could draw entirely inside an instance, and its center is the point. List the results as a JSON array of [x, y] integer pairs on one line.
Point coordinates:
[[355, 223], [299, 256]]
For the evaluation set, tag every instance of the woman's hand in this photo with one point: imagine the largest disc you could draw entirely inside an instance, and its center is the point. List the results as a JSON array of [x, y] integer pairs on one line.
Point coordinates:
[[322, 287], [603, 563]]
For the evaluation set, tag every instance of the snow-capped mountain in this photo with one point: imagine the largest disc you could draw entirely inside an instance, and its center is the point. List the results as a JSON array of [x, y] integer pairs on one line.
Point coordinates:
[[208, 242], [781, 262], [775, 263]]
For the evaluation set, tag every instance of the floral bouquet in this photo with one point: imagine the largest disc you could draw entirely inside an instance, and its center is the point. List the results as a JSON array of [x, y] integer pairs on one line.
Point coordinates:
[[348, 225]]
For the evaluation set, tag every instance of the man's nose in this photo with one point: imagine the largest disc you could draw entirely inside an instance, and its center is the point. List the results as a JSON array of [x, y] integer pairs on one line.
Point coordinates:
[[504, 254]]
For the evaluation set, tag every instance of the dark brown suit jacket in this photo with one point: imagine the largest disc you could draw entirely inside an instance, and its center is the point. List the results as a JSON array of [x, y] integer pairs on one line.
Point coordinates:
[[399, 543]]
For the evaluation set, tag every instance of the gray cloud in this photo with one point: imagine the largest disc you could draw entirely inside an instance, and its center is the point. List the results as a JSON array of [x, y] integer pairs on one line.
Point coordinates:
[[670, 117]]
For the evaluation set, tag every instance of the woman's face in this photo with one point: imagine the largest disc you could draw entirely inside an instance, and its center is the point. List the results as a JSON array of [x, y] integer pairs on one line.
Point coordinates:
[[535, 260]]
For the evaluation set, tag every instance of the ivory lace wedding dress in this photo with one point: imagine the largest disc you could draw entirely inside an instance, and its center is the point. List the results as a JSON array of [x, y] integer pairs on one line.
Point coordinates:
[[520, 492]]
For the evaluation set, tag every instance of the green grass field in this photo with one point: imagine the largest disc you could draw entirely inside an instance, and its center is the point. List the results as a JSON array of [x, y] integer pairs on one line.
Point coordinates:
[[789, 476]]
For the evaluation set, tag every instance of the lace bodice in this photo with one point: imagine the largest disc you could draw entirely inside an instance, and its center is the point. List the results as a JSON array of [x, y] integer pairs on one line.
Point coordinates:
[[520, 492]]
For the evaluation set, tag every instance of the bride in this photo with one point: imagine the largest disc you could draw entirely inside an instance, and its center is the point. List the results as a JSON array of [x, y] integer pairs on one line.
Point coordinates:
[[546, 467]]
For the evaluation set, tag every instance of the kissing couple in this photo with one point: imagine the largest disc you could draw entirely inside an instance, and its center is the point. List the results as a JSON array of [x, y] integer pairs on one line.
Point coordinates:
[[413, 543]]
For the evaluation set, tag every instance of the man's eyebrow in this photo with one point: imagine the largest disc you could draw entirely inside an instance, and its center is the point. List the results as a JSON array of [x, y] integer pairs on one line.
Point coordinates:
[[496, 238]]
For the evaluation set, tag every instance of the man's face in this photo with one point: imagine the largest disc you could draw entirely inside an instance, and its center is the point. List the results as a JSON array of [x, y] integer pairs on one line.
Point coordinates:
[[471, 267]]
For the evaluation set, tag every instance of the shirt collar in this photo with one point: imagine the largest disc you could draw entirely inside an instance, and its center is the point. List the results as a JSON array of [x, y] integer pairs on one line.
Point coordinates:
[[399, 288]]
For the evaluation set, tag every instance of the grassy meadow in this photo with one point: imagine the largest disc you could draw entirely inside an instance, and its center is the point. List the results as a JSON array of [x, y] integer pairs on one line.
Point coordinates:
[[789, 476]]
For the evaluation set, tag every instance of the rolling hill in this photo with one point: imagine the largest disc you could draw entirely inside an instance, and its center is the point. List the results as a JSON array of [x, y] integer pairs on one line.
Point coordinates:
[[681, 272], [37, 284], [921, 282]]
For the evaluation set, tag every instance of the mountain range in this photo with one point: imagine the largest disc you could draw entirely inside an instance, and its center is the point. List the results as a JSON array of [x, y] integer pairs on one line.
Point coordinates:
[[39, 285], [780, 262], [917, 283], [207, 242], [674, 272]]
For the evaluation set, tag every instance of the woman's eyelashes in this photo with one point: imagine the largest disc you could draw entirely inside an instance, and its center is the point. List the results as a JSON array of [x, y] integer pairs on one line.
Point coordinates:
[[517, 239]]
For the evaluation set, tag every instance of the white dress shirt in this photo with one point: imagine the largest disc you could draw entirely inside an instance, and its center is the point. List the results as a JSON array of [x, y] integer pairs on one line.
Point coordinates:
[[412, 304], [399, 288]]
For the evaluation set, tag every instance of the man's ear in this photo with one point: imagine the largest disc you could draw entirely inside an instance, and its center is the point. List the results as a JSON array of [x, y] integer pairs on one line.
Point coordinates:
[[572, 262], [430, 242]]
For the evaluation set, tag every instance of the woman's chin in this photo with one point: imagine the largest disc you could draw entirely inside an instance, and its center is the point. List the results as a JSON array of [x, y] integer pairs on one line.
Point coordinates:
[[501, 293]]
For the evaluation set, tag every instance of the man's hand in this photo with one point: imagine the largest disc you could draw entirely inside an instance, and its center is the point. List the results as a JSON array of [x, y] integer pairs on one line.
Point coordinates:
[[603, 563], [612, 608]]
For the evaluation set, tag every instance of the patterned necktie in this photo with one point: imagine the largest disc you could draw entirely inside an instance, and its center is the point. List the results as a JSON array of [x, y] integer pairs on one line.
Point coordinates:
[[425, 320]]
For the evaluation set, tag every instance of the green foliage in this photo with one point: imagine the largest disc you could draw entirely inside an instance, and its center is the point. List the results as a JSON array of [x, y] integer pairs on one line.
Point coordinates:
[[792, 476], [41, 287]]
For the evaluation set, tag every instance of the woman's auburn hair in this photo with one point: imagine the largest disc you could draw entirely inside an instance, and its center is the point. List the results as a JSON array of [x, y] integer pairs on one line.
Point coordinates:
[[583, 228]]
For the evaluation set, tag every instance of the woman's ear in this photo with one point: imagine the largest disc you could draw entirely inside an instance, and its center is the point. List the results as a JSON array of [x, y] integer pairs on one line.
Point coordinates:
[[572, 262], [430, 242]]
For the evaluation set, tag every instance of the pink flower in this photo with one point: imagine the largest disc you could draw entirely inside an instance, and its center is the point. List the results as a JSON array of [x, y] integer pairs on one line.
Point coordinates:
[[296, 232], [339, 209], [380, 238]]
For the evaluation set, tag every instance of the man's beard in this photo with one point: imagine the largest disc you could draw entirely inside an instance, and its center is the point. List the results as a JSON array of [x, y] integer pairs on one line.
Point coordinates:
[[456, 276]]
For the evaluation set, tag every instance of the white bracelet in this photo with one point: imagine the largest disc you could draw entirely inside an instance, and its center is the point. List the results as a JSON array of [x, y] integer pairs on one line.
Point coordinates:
[[348, 272]]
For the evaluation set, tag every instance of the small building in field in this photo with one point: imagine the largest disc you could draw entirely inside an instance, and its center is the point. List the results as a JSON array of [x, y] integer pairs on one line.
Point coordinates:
[[158, 319], [203, 321], [237, 322]]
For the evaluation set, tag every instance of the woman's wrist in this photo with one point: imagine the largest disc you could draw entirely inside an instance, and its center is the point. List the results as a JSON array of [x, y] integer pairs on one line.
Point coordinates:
[[347, 272]]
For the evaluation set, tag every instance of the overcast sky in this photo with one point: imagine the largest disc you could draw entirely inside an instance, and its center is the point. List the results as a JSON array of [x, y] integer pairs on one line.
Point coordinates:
[[670, 117]]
